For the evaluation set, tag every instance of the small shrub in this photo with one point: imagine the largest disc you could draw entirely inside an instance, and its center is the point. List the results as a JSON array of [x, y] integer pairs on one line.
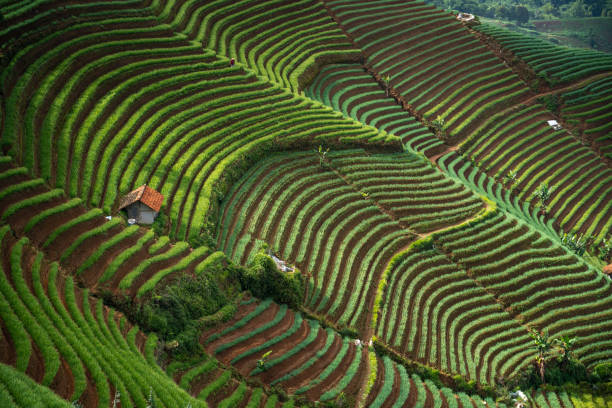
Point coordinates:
[[264, 280]]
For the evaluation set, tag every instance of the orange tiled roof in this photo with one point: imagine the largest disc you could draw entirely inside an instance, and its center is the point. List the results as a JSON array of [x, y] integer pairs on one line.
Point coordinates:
[[145, 195]]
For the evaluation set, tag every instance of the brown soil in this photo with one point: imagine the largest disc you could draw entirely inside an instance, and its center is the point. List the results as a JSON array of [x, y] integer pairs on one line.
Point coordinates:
[[242, 311], [258, 320], [8, 354], [149, 272], [315, 392], [297, 360], [313, 371], [201, 381], [89, 398], [91, 276], [36, 365], [19, 220], [43, 229], [222, 393], [66, 238], [125, 268], [397, 383], [63, 383], [380, 379], [88, 247], [246, 365]]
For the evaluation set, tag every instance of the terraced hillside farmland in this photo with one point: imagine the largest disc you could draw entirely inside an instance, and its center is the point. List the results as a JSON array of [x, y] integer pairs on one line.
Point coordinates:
[[312, 213], [589, 110], [552, 63], [363, 206]]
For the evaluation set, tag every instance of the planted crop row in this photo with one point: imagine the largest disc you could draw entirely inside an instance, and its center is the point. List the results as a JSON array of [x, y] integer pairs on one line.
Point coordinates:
[[433, 312], [311, 216], [395, 387], [65, 325], [555, 64], [281, 348], [348, 89], [328, 221], [403, 43], [523, 144], [157, 110], [83, 239], [589, 110], [411, 189], [208, 381], [537, 278], [284, 41]]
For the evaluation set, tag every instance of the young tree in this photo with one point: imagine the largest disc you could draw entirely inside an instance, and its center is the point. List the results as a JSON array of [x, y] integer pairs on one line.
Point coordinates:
[[261, 363], [387, 79], [566, 345], [543, 345], [543, 193], [323, 159]]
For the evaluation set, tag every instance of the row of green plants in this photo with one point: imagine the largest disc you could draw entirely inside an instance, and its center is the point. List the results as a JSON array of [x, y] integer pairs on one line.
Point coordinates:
[[280, 47], [410, 384], [552, 63], [579, 107], [519, 161], [432, 97], [69, 135], [60, 327], [389, 117], [285, 212], [433, 289], [537, 294]]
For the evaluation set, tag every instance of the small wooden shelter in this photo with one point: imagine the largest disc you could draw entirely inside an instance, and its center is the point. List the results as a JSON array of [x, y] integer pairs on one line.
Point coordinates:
[[142, 204]]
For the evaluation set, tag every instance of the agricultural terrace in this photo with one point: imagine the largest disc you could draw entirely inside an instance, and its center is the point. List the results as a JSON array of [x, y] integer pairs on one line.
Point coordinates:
[[395, 387], [101, 254], [314, 212], [353, 141], [435, 313], [284, 41], [432, 61], [69, 341], [540, 283], [347, 88], [520, 142], [552, 63], [155, 108], [589, 110]]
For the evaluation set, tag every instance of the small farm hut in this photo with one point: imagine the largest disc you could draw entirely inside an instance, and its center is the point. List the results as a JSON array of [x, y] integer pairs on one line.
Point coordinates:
[[142, 204]]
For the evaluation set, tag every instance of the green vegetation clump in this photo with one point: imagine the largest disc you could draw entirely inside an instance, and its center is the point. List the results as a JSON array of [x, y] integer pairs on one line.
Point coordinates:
[[264, 280]]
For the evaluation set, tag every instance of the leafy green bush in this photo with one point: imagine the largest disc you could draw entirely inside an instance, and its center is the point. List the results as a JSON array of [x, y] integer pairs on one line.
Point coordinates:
[[264, 280], [174, 311]]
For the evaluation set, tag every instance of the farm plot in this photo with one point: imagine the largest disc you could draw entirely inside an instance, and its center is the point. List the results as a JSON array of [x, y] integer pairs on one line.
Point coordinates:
[[395, 387], [540, 283], [102, 254], [51, 330], [339, 224], [207, 381], [433, 312], [350, 90], [520, 142], [590, 110], [300, 356], [285, 41], [553, 63], [432, 61], [156, 109]]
